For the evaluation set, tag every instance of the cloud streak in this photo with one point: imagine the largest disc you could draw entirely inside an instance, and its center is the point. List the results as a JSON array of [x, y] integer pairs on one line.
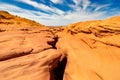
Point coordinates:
[[42, 6], [57, 1]]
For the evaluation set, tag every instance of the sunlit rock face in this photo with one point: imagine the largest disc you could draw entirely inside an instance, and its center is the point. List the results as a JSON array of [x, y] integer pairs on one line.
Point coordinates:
[[82, 51]]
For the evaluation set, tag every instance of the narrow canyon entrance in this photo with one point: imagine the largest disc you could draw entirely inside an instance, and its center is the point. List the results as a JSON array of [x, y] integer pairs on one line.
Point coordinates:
[[57, 69]]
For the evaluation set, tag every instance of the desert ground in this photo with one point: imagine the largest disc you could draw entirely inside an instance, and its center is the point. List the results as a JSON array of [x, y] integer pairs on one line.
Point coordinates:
[[87, 50]]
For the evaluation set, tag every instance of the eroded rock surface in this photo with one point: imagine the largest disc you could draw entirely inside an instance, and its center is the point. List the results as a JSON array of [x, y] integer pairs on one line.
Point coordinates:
[[82, 51], [26, 55], [26, 52], [93, 50]]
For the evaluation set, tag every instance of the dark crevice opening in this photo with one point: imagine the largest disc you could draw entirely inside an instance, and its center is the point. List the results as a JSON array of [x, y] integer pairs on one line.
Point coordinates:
[[53, 43], [57, 72]]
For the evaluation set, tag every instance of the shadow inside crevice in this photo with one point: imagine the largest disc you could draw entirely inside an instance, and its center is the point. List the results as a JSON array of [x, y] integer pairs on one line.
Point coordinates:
[[58, 71]]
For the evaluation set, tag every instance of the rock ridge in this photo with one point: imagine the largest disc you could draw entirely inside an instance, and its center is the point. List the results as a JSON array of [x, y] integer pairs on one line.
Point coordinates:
[[81, 51]]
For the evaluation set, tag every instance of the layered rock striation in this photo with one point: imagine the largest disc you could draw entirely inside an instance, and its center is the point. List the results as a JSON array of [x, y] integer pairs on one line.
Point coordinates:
[[82, 51]]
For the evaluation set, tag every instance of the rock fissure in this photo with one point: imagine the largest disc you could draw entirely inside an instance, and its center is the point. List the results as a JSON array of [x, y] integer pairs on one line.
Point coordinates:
[[107, 43], [87, 43], [57, 69], [99, 76], [53, 43], [15, 55], [40, 55]]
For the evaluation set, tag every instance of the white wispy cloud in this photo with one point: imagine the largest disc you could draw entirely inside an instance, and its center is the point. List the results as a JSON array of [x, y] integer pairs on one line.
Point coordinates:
[[77, 2], [86, 4], [98, 7], [57, 16], [22, 12], [35, 4], [57, 1], [42, 6], [81, 4]]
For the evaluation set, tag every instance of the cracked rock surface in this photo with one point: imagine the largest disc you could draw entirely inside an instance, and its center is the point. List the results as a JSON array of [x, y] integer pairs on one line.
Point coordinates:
[[93, 50], [82, 51], [26, 56]]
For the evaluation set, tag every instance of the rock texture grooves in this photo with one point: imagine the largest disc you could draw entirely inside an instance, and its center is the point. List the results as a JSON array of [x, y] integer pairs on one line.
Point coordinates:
[[82, 51], [23, 53], [28, 50]]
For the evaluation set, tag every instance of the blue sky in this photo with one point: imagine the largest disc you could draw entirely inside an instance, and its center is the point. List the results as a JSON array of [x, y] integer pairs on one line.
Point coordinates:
[[62, 12]]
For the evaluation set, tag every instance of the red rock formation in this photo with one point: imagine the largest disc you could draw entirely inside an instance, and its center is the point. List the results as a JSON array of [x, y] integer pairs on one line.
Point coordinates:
[[82, 51], [26, 52], [93, 50]]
